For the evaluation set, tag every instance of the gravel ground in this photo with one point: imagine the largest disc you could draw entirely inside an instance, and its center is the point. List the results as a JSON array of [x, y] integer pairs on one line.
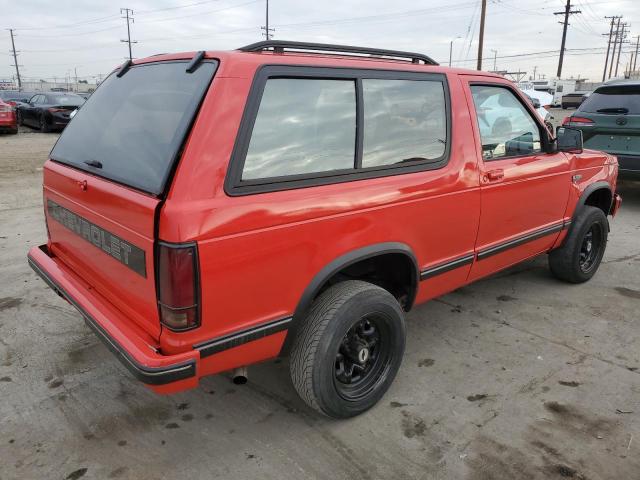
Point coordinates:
[[515, 377]]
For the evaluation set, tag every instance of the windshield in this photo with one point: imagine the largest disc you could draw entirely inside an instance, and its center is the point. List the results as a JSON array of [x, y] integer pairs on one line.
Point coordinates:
[[65, 99], [613, 99], [131, 128]]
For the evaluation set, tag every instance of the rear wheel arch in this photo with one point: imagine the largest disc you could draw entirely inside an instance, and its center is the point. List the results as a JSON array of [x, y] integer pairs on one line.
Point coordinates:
[[401, 280]]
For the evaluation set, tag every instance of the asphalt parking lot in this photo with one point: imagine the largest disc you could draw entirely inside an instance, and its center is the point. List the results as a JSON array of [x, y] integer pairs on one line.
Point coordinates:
[[518, 376]]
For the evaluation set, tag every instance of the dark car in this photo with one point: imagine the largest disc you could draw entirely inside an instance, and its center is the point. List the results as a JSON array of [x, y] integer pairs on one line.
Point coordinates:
[[610, 121], [15, 97], [49, 111], [573, 100]]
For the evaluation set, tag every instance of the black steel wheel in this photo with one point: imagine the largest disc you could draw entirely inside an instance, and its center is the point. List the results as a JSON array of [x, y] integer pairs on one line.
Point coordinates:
[[363, 356], [349, 349], [579, 257]]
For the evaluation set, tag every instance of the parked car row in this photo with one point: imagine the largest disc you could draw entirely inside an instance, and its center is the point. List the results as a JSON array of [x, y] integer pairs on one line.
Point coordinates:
[[46, 111]]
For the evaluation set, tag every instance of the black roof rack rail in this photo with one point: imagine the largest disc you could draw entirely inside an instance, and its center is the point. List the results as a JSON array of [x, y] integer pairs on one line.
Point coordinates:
[[279, 46]]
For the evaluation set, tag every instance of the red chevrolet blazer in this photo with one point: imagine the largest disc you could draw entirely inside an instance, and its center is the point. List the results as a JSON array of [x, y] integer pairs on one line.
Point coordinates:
[[209, 211]]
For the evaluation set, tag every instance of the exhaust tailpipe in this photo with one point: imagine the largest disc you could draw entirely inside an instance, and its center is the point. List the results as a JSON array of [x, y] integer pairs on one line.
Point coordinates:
[[239, 376]]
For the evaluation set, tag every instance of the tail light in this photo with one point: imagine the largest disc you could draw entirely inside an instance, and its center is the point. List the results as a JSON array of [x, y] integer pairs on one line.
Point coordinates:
[[6, 108], [55, 110], [577, 121], [547, 107], [178, 286]]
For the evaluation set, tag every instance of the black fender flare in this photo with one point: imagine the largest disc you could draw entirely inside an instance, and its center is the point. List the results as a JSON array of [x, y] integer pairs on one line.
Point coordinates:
[[600, 185], [341, 262]]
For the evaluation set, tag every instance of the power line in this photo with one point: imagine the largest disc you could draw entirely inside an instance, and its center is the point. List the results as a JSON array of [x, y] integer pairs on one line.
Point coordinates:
[[267, 31], [481, 37], [129, 18], [15, 59], [621, 41], [565, 23], [615, 44], [606, 61]]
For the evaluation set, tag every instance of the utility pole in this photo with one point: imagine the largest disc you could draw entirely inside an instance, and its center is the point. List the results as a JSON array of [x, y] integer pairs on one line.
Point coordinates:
[[606, 61], [635, 57], [75, 71], [481, 39], [129, 17], [267, 31], [621, 41], [15, 60], [495, 57], [615, 44], [566, 13], [534, 71]]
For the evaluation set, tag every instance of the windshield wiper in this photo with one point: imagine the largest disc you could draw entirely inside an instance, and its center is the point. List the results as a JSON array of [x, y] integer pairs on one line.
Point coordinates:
[[613, 110], [93, 163]]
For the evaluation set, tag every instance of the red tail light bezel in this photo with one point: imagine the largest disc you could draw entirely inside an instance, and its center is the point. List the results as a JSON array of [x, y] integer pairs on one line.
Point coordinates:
[[577, 120], [177, 296]]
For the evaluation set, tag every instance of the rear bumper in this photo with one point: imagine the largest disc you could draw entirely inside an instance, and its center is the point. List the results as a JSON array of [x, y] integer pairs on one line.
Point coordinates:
[[140, 357], [8, 123]]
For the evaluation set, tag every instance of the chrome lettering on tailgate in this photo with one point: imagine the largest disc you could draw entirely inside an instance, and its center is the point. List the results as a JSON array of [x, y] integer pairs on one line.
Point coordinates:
[[123, 251]]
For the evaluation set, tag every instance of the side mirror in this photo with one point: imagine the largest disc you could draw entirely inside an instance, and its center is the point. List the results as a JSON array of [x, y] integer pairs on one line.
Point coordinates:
[[569, 140]]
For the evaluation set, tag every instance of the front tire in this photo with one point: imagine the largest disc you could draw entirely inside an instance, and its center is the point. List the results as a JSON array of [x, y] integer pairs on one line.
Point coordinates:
[[349, 349], [579, 257]]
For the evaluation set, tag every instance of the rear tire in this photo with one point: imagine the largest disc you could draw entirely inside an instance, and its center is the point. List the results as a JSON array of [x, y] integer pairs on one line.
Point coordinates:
[[579, 257], [349, 349]]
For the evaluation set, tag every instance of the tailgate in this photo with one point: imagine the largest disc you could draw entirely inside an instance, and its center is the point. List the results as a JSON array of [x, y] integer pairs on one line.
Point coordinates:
[[618, 134], [110, 170], [105, 233]]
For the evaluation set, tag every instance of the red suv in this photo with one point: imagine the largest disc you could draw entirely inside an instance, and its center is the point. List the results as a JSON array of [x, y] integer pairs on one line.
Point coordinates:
[[213, 210]]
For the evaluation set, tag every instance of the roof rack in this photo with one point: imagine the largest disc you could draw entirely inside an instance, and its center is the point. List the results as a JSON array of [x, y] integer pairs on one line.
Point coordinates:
[[279, 46]]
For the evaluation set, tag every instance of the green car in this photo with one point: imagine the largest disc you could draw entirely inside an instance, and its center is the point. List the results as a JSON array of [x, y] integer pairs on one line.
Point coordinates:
[[610, 121]]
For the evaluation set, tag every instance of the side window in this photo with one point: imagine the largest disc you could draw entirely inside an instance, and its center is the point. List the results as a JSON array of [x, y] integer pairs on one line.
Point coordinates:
[[34, 99], [303, 126], [404, 121], [506, 127]]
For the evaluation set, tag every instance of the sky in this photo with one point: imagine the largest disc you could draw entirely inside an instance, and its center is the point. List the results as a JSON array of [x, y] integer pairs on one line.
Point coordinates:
[[64, 37]]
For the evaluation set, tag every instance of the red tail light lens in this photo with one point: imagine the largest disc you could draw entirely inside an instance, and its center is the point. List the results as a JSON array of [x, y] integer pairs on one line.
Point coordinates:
[[577, 120], [55, 110], [178, 286], [6, 108]]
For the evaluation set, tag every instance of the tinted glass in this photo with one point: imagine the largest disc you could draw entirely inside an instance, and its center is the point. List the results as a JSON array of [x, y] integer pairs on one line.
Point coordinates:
[[69, 99], [404, 120], [613, 98], [506, 127], [135, 124], [303, 126]]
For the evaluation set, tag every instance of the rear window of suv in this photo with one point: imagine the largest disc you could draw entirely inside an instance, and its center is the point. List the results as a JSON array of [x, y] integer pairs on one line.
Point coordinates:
[[613, 99], [132, 127]]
